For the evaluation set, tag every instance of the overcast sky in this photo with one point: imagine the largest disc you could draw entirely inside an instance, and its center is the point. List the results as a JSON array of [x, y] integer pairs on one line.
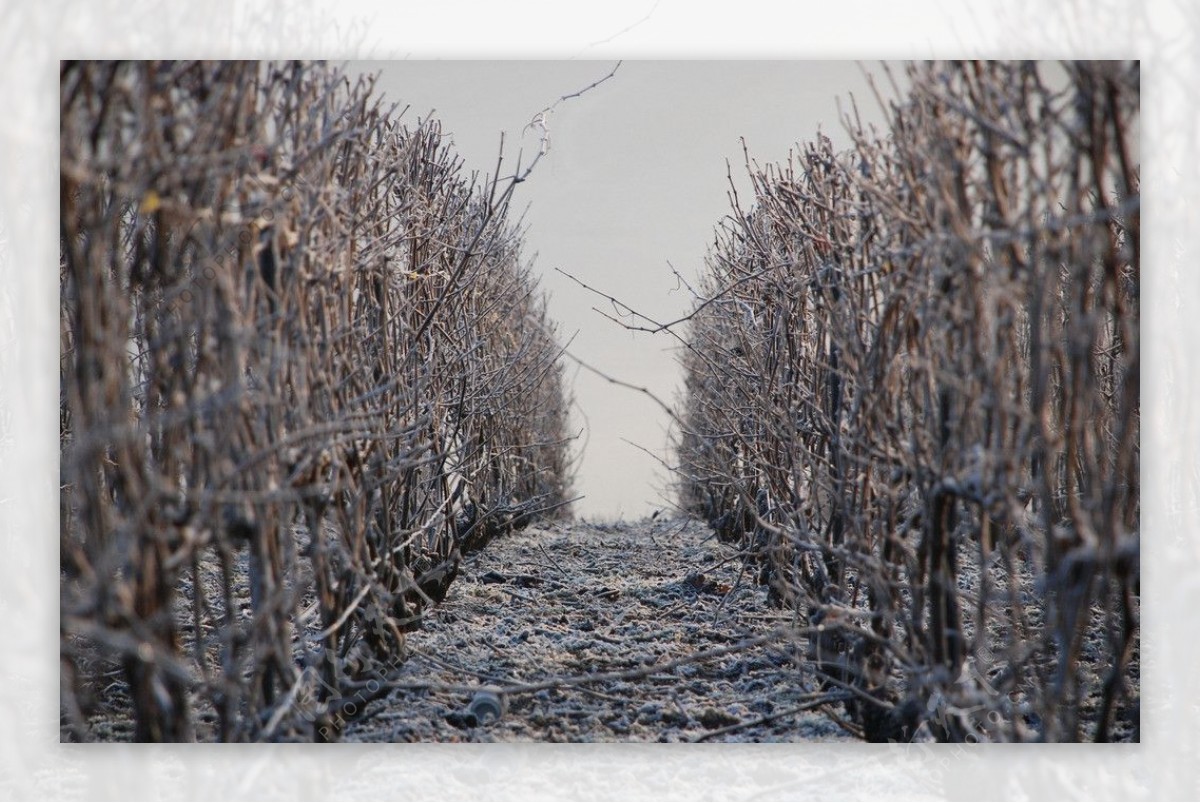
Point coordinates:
[[635, 181]]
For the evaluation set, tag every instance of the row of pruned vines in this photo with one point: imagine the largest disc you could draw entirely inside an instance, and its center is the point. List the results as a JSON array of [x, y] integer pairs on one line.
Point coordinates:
[[304, 369], [912, 394]]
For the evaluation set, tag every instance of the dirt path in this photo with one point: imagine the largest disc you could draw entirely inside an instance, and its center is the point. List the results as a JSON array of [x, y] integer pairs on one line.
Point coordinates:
[[604, 602]]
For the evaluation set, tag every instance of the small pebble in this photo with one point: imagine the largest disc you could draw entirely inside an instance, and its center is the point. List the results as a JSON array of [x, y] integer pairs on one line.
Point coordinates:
[[619, 725], [713, 719]]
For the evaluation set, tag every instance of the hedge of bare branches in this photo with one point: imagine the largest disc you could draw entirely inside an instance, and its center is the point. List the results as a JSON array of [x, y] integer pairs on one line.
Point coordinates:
[[912, 393], [304, 368]]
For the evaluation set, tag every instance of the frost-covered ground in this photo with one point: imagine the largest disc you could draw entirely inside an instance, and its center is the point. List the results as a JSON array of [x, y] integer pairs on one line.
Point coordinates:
[[646, 631], [627, 632]]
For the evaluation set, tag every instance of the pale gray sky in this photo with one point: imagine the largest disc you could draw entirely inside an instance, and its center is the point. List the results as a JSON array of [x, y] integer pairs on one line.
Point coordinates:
[[635, 179]]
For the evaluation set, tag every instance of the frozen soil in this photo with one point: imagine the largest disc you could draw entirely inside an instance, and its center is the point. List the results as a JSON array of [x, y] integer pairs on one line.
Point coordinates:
[[634, 632]]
